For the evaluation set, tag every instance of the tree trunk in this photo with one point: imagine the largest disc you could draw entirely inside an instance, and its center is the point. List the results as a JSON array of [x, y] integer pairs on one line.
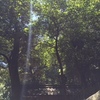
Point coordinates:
[[58, 57], [63, 91], [13, 70]]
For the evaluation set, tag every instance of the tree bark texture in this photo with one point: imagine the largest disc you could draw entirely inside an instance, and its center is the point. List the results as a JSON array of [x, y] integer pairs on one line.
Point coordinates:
[[13, 70]]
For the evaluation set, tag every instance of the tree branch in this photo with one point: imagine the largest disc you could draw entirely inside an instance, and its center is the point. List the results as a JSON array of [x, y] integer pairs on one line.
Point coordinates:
[[5, 57]]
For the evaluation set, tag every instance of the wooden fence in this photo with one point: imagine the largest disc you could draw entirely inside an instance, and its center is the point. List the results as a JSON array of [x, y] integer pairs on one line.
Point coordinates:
[[72, 93], [49, 97]]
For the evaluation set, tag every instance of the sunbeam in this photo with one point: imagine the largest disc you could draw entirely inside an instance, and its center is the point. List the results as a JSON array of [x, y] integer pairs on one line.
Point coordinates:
[[28, 50]]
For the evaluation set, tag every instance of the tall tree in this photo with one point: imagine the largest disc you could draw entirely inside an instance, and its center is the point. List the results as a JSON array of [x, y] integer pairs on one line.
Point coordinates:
[[13, 22]]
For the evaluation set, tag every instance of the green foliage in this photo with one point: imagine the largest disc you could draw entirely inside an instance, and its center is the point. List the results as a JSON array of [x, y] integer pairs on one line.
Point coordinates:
[[4, 84], [46, 50], [76, 24]]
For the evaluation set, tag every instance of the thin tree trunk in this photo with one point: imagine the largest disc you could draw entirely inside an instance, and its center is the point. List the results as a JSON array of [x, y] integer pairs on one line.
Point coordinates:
[[63, 91], [58, 57]]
